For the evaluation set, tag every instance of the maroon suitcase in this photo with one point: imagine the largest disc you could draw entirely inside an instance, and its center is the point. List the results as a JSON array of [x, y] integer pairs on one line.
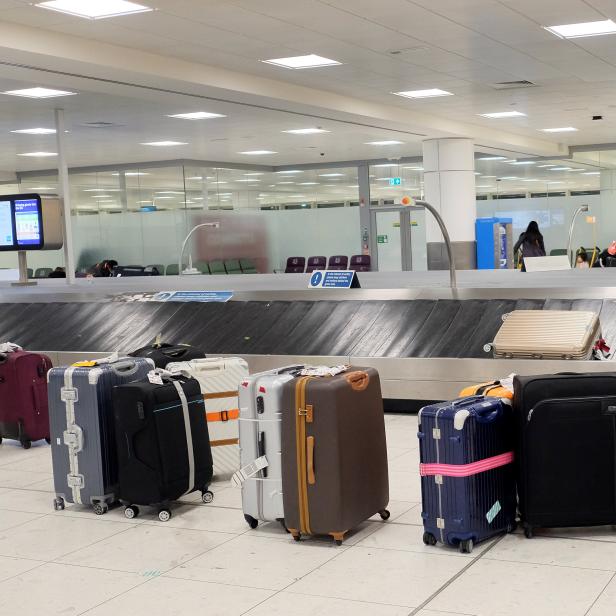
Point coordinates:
[[24, 414]]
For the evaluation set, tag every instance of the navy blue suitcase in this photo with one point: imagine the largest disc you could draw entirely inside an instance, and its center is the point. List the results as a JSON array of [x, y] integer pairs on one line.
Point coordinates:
[[468, 477]]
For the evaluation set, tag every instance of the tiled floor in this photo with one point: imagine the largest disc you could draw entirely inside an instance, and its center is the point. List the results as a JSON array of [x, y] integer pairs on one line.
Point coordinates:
[[206, 560]]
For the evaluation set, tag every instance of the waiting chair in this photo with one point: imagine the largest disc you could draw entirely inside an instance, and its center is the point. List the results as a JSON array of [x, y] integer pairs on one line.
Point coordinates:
[[361, 263], [203, 267], [172, 269], [248, 266], [338, 262], [30, 273], [316, 263], [43, 272], [217, 268], [557, 252], [295, 265], [233, 266], [159, 267]]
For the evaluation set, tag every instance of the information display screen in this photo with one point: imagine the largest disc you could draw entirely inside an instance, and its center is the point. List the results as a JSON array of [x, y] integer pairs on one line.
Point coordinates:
[[21, 223]]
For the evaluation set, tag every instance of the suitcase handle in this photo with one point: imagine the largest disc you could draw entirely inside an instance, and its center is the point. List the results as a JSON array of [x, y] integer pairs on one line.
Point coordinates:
[[358, 380], [262, 452], [310, 460], [489, 415], [467, 400], [124, 367]]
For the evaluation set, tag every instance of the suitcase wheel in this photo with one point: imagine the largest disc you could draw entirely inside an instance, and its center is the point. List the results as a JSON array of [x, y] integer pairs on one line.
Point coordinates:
[[0, 440], [429, 538], [100, 508], [26, 444], [164, 515], [466, 547], [48, 441], [58, 504], [384, 513], [487, 348], [207, 496], [251, 521], [297, 536], [132, 511], [282, 523], [528, 532]]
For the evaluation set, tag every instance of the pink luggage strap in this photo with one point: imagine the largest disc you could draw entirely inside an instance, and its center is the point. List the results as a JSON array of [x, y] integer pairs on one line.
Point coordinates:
[[466, 470]]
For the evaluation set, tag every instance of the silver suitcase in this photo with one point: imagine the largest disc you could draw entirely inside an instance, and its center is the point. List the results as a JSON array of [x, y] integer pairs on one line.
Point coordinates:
[[546, 334], [82, 428], [260, 436]]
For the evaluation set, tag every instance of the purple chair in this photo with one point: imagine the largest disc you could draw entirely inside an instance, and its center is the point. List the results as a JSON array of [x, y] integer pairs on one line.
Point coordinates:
[[360, 263], [316, 263], [338, 262], [295, 265]]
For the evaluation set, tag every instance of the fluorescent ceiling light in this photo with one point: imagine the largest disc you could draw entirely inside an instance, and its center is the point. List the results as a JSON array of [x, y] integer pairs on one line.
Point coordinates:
[[197, 115], [308, 184], [38, 154], [164, 144], [561, 169], [484, 186], [510, 177], [101, 196], [35, 131], [383, 179], [197, 177], [386, 165], [298, 62], [533, 180], [131, 174], [493, 158], [258, 152], [414, 168], [564, 129], [39, 93], [545, 166], [589, 28], [390, 142], [101, 190], [290, 171], [169, 192], [523, 162], [488, 176], [164, 197], [42, 188], [431, 93], [306, 131], [279, 183], [246, 180], [503, 114], [592, 173], [331, 175], [257, 173], [95, 9]]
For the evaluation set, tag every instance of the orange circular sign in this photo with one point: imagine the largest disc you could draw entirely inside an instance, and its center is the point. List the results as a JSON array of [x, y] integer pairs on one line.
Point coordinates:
[[406, 201]]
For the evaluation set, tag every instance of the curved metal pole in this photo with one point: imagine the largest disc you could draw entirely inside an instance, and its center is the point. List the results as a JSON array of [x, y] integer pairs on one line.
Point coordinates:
[[582, 208], [452, 264], [203, 224]]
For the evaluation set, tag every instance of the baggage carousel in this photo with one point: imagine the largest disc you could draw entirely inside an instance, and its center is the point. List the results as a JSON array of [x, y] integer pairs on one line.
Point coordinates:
[[426, 341]]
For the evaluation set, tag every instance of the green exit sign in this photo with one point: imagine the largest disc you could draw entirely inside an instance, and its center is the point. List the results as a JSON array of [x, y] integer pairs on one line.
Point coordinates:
[[395, 181], [382, 239]]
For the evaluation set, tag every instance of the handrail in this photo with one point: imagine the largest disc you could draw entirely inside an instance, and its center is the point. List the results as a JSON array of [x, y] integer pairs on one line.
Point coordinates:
[[582, 208]]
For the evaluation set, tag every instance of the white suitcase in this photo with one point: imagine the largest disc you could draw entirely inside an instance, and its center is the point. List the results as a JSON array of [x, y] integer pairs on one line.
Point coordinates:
[[260, 435], [219, 378]]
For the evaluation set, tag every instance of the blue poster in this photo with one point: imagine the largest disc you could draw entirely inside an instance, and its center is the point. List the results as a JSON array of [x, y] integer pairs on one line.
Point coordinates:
[[336, 279], [193, 296]]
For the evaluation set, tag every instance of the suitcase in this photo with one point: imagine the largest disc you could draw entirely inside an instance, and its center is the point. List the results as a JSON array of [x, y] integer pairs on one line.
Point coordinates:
[[163, 444], [82, 429], [492, 389], [546, 334], [24, 412], [219, 379], [261, 408], [466, 450], [566, 450], [334, 453], [162, 353]]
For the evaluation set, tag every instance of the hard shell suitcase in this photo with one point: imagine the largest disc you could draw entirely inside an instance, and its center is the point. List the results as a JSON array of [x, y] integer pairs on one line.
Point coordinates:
[[261, 409], [219, 378], [24, 412], [334, 453], [83, 444], [162, 353], [163, 444], [466, 450], [492, 389], [566, 450], [546, 334]]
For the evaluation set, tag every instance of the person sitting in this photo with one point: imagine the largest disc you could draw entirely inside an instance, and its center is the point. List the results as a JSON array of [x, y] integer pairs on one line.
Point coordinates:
[[581, 259], [59, 272], [608, 256], [530, 243]]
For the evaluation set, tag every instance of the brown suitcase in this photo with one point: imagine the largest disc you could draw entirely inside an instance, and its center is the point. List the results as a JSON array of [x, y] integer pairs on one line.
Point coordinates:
[[334, 453]]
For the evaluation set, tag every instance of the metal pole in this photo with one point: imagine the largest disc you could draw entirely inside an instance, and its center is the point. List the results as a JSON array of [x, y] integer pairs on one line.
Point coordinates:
[[441, 224], [216, 225], [582, 208], [65, 195]]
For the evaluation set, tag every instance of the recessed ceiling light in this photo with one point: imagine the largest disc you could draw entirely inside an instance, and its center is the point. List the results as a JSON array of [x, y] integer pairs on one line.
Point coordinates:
[[246, 180], [564, 129], [391, 142], [257, 173], [592, 173], [35, 131], [197, 115], [286, 183], [510, 177], [532, 180], [331, 175], [308, 184], [383, 179], [484, 186], [414, 168], [101, 190], [131, 174], [291, 171], [39, 93], [42, 188], [589, 28], [488, 176], [493, 158], [258, 152], [523, 162], [197, 177], [101, 196], [38, 154], [95, 9], [561, 169], [305, 131], [298, 62], [164, 144], [164, 198], [386, 165], [431, 93], [545, 166], [503, 114], [169, 192]]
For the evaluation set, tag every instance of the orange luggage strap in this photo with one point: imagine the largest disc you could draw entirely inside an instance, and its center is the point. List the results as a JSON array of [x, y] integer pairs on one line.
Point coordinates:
[[223, 415]]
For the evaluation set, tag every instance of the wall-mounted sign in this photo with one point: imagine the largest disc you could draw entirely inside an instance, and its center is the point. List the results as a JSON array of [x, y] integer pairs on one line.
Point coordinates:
[[395, 181], [382, 239], [193, 296], [325, 279]]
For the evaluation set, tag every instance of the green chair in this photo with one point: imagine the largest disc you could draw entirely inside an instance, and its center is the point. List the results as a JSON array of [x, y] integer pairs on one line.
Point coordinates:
[[42, 272], [172, 270], [202, 266], [30, 273], [248, 266], [557, 252], [217, 268], [233, 266]]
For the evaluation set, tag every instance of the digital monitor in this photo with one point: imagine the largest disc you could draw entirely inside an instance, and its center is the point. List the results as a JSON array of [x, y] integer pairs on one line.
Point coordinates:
[[21, 223], [7, 237]]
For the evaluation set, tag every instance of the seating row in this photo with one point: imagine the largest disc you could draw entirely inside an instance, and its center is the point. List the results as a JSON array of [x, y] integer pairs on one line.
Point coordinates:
[[216, 267], [298, 265]]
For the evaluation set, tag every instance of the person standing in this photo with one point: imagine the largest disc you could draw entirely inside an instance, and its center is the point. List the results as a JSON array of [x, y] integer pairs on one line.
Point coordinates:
[[530, 243]]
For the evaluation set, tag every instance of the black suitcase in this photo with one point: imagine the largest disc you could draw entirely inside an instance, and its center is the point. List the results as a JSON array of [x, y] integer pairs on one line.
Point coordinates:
[[162, 442], [566, 454], [162, 353]]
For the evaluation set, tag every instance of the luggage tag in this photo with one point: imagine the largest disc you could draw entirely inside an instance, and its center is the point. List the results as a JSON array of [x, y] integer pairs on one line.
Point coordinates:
[[110, 359], [250, 470]]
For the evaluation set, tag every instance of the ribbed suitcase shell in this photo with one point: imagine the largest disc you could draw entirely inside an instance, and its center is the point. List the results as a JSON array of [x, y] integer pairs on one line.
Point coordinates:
[[347, 429], [219, 375], [455, 509], [24, 412], [91, 458], [547, 334], [261, 408]]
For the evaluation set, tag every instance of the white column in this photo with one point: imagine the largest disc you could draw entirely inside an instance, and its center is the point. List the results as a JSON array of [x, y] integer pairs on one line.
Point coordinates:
[[65, 195], [449, 185]]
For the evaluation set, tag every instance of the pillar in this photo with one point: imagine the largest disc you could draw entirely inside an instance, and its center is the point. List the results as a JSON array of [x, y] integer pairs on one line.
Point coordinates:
[[368, 242], [449, 185]]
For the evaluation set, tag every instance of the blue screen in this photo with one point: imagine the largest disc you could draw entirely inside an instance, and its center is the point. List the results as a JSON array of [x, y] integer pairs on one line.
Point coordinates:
[[27, 222]]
